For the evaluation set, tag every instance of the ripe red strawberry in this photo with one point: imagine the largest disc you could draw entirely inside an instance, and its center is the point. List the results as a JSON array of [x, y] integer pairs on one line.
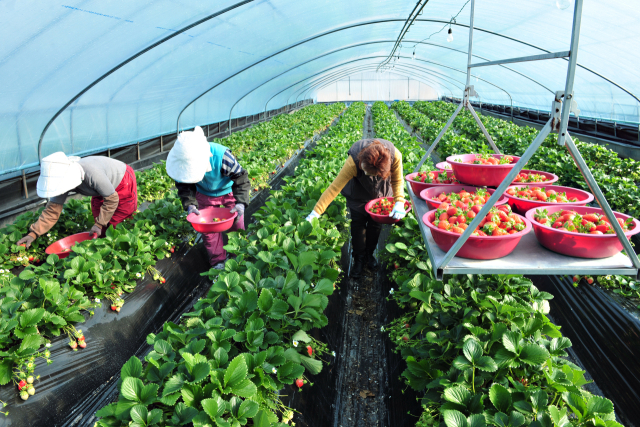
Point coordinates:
[[309, 350], [299, 382], [31, 258], [163, 280], [406, 325], [22, 384], [405, 338], [113, 287], [396, 266], [73, 344], [576, 279], [82, 344], [173, 249], [114, 308], [590, 280]]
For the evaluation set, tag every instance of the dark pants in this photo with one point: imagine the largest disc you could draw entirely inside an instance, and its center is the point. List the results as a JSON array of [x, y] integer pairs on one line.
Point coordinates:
[[364, 234]]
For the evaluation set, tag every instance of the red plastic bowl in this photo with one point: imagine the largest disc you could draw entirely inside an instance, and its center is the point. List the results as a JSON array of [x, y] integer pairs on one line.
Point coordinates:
[[208, 214], [578, 244], [382, 219], [62, 247], [480, 175], [443, 166], [521, 206], [429, 194], [551, 178], [476, 247], [418, 186]]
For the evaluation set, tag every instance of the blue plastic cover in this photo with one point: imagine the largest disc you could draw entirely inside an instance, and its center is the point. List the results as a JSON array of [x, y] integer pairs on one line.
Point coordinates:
[[108, 73]]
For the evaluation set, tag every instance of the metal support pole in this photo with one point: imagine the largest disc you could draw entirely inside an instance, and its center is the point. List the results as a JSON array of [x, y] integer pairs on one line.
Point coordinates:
[[470, 49], [484, 130], [108, 152], [544, 132], [138, 147], [162, 142], [571, 72], [604, 205], [440, 135], [24, 185]]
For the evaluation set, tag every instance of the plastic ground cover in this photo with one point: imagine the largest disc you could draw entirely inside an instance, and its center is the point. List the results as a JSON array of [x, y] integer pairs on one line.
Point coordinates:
[[78, 383], [89, 75]]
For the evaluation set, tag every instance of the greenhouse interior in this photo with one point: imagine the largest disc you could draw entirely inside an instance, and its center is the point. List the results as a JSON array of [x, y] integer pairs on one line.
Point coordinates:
[[319, 214]]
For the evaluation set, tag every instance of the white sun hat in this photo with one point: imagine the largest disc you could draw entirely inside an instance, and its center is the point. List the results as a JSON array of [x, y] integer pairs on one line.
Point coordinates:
[[188, 160], [59, 174]]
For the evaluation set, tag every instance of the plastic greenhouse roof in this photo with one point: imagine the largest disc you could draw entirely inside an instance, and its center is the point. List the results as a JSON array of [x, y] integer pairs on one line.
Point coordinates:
[[90, 75]]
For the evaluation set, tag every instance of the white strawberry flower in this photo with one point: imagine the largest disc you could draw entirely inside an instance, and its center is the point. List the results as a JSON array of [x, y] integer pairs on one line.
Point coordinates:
[[138, 275], [274, 370], [333, 353], [381, 328], [48, 345], [48, 234], [295, 343], [391, 291], [97, 299]]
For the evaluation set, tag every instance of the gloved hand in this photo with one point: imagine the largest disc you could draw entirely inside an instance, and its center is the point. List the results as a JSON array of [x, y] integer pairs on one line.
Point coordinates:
[[312, 215], [26, 241], [96, 229], [192, 209], [398, 211], [239, 207]]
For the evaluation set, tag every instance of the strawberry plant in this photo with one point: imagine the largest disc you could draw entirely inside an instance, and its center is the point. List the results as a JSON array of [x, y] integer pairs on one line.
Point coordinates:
[[482, 347]]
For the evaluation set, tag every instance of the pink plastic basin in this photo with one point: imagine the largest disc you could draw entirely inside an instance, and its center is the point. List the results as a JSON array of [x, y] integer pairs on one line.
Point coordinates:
[[476, 247], [521, 206], [208, 226], [418, 186], [551, 178], [62, 247], [480, 175], [443, 166], [578, 244], [382, 219], [430, 194]]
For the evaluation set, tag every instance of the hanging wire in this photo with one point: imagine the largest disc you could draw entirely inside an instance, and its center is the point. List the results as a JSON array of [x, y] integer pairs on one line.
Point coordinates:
[[452, 21], [417, 10]]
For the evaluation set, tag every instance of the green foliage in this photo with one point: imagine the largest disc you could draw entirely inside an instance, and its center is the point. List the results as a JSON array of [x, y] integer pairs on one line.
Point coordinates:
[[482, 348]]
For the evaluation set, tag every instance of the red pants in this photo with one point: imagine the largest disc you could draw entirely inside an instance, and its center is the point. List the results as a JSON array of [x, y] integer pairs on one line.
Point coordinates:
[[128, 200], [213, 241]]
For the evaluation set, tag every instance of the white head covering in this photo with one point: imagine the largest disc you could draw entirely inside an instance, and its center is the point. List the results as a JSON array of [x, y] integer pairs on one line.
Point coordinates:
[[188, 160], [59, 174]]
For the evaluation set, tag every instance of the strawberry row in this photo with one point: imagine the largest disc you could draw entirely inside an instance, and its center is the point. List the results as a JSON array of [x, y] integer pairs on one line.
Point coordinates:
[[260, 149], [481, 348], [225, 363], [101, 270]]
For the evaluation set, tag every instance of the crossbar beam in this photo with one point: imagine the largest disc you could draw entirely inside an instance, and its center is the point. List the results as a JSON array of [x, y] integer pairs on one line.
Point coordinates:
[[552, 55]]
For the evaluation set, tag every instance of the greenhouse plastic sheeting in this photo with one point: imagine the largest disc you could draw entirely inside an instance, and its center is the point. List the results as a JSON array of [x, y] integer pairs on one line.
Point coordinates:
[[89, 75], [78, 383]]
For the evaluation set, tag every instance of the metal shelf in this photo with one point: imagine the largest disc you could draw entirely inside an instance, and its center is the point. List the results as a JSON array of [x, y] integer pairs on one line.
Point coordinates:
[[529, 257]]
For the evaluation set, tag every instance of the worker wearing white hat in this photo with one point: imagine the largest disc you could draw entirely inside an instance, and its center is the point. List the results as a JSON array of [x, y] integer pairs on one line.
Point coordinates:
[[207, 174], [110, 183]]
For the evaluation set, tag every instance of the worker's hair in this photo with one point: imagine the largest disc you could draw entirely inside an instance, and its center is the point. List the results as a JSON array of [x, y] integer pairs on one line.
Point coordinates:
[[375, 158]]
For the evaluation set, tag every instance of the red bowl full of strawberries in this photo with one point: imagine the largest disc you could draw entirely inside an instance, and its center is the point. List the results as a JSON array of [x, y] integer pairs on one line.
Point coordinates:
[[482, 170], [212, 220], [578, 231], [379, 210], [459, 195], [531, 178], [421, 180], [497, 235], [443, 166], [522, 198]]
